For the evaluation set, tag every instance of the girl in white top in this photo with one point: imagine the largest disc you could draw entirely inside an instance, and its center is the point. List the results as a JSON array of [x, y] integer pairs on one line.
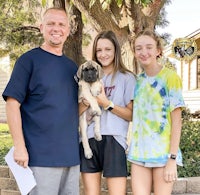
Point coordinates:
[[116, 100]]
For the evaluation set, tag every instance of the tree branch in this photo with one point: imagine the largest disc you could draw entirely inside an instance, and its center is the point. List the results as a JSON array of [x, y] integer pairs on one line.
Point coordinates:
[[154, 8], [26, 28], [99, 18], [135, 17], [116, 11], [59, 3]]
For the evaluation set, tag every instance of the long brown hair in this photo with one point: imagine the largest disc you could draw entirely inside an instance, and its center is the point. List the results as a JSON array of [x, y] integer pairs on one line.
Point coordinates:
[[118, 63]]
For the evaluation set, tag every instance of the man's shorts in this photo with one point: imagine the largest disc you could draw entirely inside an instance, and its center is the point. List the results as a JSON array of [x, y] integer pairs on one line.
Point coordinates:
[[56, 180], [108, 157]]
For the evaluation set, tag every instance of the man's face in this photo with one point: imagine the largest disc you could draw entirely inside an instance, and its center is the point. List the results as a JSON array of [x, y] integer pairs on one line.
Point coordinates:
[[55, 28]]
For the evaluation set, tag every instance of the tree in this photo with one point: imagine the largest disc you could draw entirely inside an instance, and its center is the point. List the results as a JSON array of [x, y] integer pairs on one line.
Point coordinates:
[[124, 17], [73, 45], [19, 32], [16, 19]]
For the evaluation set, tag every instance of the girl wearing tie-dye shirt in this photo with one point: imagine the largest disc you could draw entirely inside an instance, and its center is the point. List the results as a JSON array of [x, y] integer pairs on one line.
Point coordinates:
[[154, 149]]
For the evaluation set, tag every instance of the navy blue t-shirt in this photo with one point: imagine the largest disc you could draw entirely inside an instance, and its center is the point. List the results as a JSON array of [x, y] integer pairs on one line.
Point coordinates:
[[44, 85]]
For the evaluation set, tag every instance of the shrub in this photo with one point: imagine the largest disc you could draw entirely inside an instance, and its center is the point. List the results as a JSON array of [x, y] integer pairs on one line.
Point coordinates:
[[6, 142], [190, 147]]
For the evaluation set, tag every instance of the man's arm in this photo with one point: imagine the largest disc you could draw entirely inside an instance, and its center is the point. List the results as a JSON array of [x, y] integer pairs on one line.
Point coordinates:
[[15, 125]]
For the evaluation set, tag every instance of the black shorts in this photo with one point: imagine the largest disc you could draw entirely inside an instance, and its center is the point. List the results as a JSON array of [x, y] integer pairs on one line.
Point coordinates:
[[109, 157]]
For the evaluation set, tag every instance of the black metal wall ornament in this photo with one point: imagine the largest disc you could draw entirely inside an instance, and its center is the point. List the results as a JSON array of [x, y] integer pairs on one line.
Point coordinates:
[[184, 49]]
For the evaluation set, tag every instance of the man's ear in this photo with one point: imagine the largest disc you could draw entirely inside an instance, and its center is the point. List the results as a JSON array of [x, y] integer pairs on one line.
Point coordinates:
[[41, 28], [68, 30]]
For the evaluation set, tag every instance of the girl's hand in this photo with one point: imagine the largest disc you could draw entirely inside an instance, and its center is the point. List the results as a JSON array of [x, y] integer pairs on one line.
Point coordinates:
[[170, 171], [85, 102], [83, 106], [102, 98]]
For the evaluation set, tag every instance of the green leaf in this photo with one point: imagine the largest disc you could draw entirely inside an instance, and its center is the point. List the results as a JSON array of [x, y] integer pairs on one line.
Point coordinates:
[[92, 2], [44, 2], [137, 1]]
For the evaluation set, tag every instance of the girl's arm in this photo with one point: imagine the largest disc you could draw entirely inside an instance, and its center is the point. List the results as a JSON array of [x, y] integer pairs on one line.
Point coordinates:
[[170, 171], [83, 106], [123, 112]]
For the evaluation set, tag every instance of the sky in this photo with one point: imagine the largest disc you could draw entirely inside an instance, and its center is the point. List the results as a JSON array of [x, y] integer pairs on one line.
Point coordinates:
[[183, 17]]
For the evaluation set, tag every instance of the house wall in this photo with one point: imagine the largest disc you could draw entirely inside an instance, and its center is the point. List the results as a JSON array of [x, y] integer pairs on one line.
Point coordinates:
[[191, 94], [188, 73], [192, 100], [4, 77], [193, 72], [185, 68]]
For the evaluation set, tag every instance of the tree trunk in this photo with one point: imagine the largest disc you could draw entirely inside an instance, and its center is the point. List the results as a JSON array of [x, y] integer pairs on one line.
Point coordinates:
[[73, 45]]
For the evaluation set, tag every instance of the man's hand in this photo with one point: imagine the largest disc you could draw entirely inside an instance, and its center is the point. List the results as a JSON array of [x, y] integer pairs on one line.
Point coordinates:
[[21, 156]]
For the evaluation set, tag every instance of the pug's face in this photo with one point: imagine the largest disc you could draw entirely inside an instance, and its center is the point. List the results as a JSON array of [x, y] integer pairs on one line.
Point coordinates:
[[90, 72]]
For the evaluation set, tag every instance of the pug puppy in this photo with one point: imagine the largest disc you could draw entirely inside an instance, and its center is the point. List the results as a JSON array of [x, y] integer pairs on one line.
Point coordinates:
[[90, 85]]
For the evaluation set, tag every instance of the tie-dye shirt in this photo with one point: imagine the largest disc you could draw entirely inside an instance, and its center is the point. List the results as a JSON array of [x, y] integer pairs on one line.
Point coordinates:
[[155, 98]]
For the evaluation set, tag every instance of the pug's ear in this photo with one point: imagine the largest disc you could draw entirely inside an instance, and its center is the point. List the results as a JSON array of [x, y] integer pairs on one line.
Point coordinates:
[[79, 72], [100, 70]]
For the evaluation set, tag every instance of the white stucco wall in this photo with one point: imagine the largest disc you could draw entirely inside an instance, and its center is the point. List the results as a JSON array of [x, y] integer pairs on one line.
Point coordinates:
[[4, 77], [193, 73]]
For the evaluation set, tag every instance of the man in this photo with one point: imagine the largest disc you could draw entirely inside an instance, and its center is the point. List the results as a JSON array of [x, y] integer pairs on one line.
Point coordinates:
[[42, 110]]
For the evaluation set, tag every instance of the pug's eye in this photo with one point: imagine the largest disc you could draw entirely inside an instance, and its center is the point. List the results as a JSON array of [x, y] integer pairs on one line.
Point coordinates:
[[92, 68], [89, 69]]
